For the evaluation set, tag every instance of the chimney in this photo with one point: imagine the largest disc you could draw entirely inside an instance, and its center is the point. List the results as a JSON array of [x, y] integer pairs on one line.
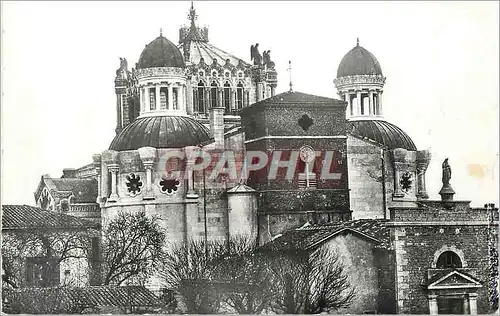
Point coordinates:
[[69, 173], [217, 125]]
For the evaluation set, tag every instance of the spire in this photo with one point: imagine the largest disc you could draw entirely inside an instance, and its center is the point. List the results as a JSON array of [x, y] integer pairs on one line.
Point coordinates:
[[290, 73], [192, 15], [161, 32], [357, 41]]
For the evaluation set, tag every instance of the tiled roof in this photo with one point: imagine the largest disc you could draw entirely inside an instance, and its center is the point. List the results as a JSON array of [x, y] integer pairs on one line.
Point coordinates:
[[84, 190], [161, 132], [207, 51], [359, 61], [299, 97], [95, 296], [160, 53], [310, 236], [381, 132], [18, 217]]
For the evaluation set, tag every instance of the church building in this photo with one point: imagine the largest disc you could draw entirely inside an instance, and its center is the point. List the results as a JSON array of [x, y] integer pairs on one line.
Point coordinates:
[[332, 171]]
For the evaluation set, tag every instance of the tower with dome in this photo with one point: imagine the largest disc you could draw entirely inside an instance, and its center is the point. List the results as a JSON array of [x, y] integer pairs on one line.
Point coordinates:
[[184, 98]]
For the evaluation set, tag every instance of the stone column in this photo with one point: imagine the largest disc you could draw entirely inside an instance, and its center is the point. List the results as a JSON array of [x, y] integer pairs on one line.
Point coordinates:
[[170, 103], [233, 99], [148, 166], [189, 100], [372, 103], [466, 305], [207, 99], [433, 305], [358, 106], [380, 102], [147, 155], [114, 169], [191, 194], [423, 159], [141, 98], [97, 167], [148, 99], [245, 99], [182, 97], [273, 91], [349, 104], [473, 303], [157, 96], [219, 98]]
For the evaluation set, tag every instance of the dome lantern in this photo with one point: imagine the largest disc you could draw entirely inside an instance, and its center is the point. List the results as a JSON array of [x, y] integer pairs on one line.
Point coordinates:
[[360, 83], [161, 76]]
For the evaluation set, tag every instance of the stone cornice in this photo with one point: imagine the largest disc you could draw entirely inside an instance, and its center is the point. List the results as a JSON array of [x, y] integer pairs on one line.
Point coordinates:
[[160, 71], [359, 79]]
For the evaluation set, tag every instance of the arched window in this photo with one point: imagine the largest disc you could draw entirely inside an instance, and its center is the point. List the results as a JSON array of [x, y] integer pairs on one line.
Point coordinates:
[[163, 98], [200, 98], [152, 99], [226, 97], [213, 94], [239, 96], [448, 259]]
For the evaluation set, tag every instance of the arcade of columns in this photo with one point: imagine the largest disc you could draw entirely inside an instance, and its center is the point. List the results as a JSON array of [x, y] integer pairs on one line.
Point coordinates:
[[359, 95]]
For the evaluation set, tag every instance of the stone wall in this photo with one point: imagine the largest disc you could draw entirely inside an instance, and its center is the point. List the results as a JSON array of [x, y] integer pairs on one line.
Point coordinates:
[[420, 235], [359, 263], [366, 180]]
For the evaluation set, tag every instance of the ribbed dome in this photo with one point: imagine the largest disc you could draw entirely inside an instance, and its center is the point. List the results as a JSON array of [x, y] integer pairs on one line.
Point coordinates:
[[382, 132], [359, 61], [161, 132], [161, 53]]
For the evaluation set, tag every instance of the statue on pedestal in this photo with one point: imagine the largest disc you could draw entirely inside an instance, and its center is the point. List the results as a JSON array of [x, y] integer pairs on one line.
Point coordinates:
[[446, 191], [446, 173]]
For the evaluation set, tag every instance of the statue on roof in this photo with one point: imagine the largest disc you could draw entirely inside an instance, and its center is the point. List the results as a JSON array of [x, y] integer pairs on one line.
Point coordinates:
[[446, 172], [255, 55], [123, 67], [267, 60]]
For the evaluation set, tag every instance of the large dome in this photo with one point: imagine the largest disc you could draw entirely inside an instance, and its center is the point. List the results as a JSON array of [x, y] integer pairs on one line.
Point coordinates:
[[161, 53], [382, 132], [359, 61], [161, 132]]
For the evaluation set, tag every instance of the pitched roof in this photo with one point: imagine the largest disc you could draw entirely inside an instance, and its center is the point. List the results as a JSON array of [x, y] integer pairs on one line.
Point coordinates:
[[241, 188], [84, 190], [299, 97], [310, 236], [20, 217], [95, 296]]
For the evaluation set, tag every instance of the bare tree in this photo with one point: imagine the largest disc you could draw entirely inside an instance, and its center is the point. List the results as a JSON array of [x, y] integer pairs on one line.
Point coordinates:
[[306, 282], [188, 270], [244, 270], [51, 248], [132, 247]]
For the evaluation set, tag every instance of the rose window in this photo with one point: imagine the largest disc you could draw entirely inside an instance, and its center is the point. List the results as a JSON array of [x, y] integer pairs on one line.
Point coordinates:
[[406, 182], [169, 186], [134, 184]]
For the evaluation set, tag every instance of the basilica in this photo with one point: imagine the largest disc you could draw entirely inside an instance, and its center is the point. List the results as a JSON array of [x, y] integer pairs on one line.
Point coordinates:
[[404, 252]]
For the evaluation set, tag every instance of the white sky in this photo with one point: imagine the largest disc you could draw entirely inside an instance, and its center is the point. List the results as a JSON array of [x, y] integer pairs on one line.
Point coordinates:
[[440, 60]]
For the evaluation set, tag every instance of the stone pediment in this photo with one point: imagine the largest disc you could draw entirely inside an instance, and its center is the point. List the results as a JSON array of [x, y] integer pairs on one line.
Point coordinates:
[[454, 280]]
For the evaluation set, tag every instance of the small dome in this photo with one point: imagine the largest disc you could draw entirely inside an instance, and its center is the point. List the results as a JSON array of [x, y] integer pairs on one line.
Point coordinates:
[[382, 132], [161, 132], [359, 61], [161, 53]]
